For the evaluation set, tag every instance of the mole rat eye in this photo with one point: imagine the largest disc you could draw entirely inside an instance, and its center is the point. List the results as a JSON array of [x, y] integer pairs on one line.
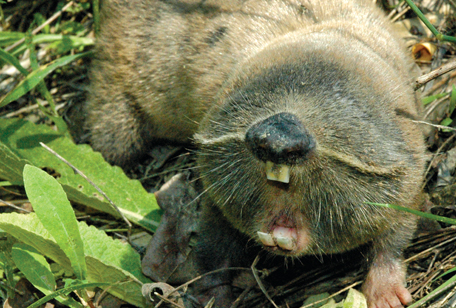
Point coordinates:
[[281, 139]]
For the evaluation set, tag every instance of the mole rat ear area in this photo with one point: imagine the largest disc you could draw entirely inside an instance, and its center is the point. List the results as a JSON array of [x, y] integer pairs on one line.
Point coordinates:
[[280, 141]]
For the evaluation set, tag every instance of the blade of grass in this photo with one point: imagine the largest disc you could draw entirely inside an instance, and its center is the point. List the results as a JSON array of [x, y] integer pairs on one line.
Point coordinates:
[[9, 58], [52, 113], [41, 86], [65, 291], [32, 80], [418, 213], [433, 293]]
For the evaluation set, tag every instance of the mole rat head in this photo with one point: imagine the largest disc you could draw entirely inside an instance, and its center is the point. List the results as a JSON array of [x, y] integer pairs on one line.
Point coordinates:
[[296, 147]]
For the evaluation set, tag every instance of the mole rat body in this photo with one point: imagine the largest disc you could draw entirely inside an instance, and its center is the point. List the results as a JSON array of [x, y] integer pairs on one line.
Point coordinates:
[[301, 112]]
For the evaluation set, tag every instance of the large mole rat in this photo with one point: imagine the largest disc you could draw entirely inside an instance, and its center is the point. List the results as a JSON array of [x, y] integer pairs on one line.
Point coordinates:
[[301, 112]]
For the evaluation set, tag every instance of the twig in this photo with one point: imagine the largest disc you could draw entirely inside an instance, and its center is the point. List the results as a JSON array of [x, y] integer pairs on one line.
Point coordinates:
[[76, 170], [258, 280], [47, 22], [435, 125], [14, 206], [165, 299], [101, 296], [435, 156], [430, 249], [439, 84], [422, 80], [429, 109], [184, 285], [400, 14], [333, 295], [30, 108], [244, 293]]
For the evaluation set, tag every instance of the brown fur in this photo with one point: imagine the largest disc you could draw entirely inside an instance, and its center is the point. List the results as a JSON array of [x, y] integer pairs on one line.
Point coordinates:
[[206, 71]]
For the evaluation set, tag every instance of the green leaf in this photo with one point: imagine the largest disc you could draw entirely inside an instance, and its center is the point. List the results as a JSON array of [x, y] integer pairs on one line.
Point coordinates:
[[50, 38], [418, 213], [52, 207], [11, 166], [7, 263], [452, 270], [355, 299], [331, 304], [72, 27], [68, 42], [67, 290], [39, 20], [22, 139], [9, 58], [34, 78], [34, 266], [8, 38], [107, 260], [317, 300], [452, 100], [429, 99], [446, 122], [38, 271]]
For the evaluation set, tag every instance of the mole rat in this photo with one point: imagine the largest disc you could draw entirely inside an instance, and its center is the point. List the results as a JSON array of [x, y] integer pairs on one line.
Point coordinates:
[[301, 112]]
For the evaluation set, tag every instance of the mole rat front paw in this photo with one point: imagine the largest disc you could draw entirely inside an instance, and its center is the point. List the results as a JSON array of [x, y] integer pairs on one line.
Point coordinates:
[[384, 287]]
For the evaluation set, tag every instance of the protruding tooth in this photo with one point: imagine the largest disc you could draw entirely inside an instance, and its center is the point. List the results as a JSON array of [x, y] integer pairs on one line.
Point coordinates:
[[286, 243], [279, 173], [266, 239]]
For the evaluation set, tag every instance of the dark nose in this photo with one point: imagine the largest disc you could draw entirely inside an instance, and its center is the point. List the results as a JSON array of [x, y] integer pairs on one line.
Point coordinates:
[[281, 139]]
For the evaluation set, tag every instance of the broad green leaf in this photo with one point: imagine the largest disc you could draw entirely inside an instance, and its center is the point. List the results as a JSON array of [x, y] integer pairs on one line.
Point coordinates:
[[36, 269], [52, 207], [35, 77], [331, 304], [107, 260], [355, 299], [317, 300], [22, 138], [29, 230], [446, 122], [34, 266], [66, 290], [11, 166]]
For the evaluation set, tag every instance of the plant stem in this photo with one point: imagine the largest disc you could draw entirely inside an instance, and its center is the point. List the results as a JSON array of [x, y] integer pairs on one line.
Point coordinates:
[[437, 34]]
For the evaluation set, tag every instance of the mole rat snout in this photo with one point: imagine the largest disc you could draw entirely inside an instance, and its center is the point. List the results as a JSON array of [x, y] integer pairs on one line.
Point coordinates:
[[280, 139]]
